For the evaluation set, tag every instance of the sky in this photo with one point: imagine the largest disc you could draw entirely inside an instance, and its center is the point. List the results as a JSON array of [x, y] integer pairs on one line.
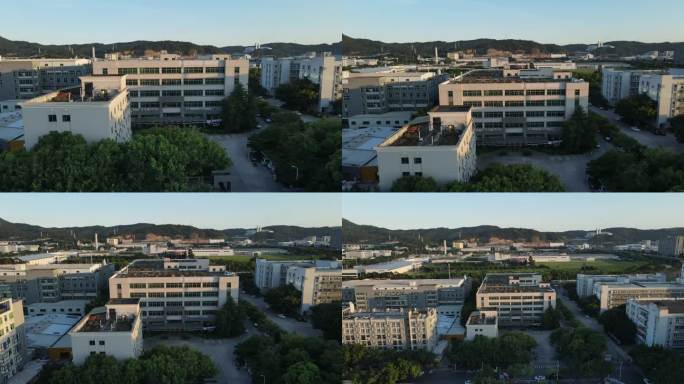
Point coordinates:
[[214, 22], [215, 211], [545, 21], [544, 212]]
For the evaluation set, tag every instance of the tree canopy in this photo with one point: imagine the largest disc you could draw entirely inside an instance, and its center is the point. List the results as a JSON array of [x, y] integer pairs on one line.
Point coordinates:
[[638, 110], [662, 366], [238, 111], [513, 348], [582, 350], [286, 299], [299, 95], [363, 365], [579, 133], [326, 317], [616, 322], [230, 320], [156, 160]]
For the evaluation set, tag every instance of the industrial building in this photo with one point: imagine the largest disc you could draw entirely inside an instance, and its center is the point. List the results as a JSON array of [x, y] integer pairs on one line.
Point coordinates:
[[586, 283], [23, 79], [517, 106], [179, 294], [171, 89], [659, 323], [518, 299]]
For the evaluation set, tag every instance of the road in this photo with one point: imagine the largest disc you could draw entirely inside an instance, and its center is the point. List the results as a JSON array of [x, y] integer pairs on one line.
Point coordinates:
[[644, 137], [245, 176], [624, 369], [444, 376], [288, 324], [220, 351], [571, 169]]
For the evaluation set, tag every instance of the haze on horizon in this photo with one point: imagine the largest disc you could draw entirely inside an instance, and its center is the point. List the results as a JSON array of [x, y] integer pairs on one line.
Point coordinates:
[[542, 212], [544, 21]]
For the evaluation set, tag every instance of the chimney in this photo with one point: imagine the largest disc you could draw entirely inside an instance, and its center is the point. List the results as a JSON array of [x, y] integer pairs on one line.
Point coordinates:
[[94, 53]]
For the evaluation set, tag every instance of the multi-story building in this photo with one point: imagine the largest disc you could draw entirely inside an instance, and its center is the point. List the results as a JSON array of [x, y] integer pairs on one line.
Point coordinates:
[[402, 329], [54, 282], [114, 330], [518, 299], [13, 354], [97, 110], [318, 285], [515, 107], [671, 246], [179, 294], [620, 83], [585, 283], [171, 89], [482, 323], [22, 79], [389, 90], [613, 295], [658, 323], [667, 90], [446, 295], [443, 147], [324, 70]]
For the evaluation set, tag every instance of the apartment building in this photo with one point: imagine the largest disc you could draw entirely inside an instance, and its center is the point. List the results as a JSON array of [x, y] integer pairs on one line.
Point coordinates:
[[671, 246], [23, 79], [324, 70], [659, 323], [181, 294], [170, 89], [446, 295], [585, 283], [621, 83], [317, 285], [389, 90], [410, 329], [442, 146], [54, 282], [13, 354], [517, 107], [613, 295], [482, 323], [114, 330], [518, 299], [667, 90], [98, 109]]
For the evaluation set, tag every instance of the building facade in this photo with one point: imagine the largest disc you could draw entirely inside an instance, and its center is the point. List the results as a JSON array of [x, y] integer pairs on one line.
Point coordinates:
[[671, 246], [482, 323], [317, 285], [658, 323], [171, 89], [114, 330], [585, 283], [614, 295], [667, 90], [324, 70], [99, 109], [175, 294], [23, 79], [518, 299], [517, 107], [620, 84], [13, 354]]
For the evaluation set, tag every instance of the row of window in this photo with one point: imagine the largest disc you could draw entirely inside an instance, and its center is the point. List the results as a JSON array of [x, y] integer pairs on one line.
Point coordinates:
[[53, 118], [177, 93], [170, 70], [186, 104], [170, 82], [178, 304], [173, 285], [493, 115], [174, 294], [515, 103], [511, 92], [529, 124]]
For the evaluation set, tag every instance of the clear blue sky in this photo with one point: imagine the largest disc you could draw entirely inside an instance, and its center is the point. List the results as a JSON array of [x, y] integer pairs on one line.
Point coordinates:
[[547, 21], [215, 22], [216, 211], [551, 212]]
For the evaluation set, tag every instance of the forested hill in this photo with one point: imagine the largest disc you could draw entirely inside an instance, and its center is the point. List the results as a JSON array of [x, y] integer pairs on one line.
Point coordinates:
[[364, 47], [355, 233], [141, 231]]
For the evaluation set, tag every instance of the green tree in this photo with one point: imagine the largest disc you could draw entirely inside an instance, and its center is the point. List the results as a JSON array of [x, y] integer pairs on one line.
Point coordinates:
[[677, 124], [326, 317], [299, 95], [512, 178], [230, 320], [304, 372], [638, 110], [415, 184], [239, 111], [582, 349], [616, 322], [551, 319], [286, 299], [579, 133]]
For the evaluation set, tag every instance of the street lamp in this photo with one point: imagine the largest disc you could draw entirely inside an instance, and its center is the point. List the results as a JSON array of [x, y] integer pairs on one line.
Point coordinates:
[[297, 170], [263, 377]]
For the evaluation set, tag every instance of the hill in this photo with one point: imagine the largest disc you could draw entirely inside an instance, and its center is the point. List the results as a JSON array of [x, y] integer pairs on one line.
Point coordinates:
[[19, 231], [355, 233], [364, 47]]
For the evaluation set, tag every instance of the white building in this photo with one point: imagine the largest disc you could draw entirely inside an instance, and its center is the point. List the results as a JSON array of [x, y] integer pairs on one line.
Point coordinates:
[[323, 70], [619, 83], [13, 354], [518, 299], [367, 254], [97, 110], [482, 323], [658, 323], [179, 294], [171, 89], [443, 147], [586, 283], [514, 107], [667, 90], [114, 330], [394, 266]]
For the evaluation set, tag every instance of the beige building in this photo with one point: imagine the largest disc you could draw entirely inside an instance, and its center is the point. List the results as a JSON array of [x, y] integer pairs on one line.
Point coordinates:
[[317, 285], [13, 354], [518, 299], [97, 110], [23, 78], [170, 89], [516, 107], [612, 295], [402, 330], [482, 323], [179, 294], [442, 147], [667, 90], [114, 330]]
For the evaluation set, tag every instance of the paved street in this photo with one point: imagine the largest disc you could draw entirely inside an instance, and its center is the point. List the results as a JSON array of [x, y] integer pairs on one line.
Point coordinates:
[[219, 350], [444, 376], [644, 137], [246, 177], [627, 371], [288, 324]]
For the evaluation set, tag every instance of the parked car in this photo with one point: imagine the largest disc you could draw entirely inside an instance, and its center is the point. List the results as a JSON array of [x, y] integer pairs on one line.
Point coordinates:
[[539, 378], [660, 132], [635, 129], [282, 316]]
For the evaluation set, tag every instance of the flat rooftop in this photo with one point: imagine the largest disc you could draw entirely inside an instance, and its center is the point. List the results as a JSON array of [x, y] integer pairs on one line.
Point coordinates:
[[500, 283], [480, 319], [98, 322], [155, 268], [405, 283], [11, 126], [421, 136], [43, 331], [497, 76]]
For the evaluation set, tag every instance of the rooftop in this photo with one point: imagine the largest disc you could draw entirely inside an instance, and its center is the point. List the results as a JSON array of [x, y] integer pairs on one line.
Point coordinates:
[[43, 331], [405, 283], [419, 135], [155, 268], [497, 76], [479, 318], [98, 322], [11, 126]]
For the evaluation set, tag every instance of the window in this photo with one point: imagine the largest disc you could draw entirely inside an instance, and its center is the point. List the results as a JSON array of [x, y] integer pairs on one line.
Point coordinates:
[[212, 104], [148, 71], [555, 92], [493, 103], [171, 105], [134, 93], [555, 114], [469, 93], [515, 114], [406, 174], [149, 82], [105, 71], [493, 92], [535, 103], [128, 71], [472, 104], [102, 342], [147, 104], [490, 115], [194, 81], [237, 70], [194, 70], [193, 285], [52, 118], [214, 70], [404, 160], [535, 113], [171, 70], [536, 92], [138, 285], [418, 160], [91, 342], [214, 81], [215, 92], [149, 93], [477, 115], [168, 82], [171, 93], [174, 285], [555, 103], [210, 285], [131, 82], [193, 104], [194, 92], [515, 103]]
